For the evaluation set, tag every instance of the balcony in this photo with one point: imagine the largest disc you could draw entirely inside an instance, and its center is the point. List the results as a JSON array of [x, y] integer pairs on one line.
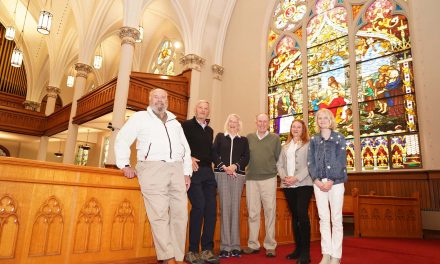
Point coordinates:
[[96, 104]]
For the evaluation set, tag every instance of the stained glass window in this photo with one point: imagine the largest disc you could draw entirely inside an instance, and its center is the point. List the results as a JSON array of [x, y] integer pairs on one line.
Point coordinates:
[[383, 85], [164, 63]]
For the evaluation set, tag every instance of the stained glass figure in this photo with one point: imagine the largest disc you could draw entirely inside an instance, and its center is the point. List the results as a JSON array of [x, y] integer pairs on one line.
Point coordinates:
[[286, 65], [384, 76], [383, 33], [164, 63]]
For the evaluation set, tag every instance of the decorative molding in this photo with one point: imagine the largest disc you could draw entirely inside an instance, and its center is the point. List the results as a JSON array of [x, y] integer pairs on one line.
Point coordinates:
[[9, 226], [128, 35], [217, 70], [82, 70], [31, 105], [89, 228], [192, 61], [122, 236], [47, 231], [53, 91]]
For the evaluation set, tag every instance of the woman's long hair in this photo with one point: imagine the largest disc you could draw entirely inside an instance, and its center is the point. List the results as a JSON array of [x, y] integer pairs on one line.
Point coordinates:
[[304, 135]]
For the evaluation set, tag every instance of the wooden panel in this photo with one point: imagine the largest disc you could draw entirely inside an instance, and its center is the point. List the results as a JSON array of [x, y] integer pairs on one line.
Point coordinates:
[[96, 104], [58, 121], [177, 87], [388, 216], [22, 121], [73, 214], [11, 100], [399, 184]]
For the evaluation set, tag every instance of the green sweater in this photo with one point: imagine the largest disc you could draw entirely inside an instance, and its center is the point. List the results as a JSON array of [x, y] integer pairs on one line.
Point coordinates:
[[264, 157]]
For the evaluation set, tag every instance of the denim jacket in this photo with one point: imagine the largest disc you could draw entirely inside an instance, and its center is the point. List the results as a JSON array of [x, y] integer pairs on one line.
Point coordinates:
[[328, 155]]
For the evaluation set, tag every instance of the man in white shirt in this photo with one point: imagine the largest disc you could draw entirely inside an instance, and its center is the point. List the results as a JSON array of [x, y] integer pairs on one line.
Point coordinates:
[[163, 170]]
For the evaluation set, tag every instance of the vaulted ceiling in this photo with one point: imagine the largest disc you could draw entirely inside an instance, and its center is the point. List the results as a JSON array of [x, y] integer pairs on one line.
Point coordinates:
[[82, 27]]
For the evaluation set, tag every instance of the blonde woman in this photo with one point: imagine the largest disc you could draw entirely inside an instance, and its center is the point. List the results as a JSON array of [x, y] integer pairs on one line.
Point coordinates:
[[298, 187], [327, 165], [231, 155]]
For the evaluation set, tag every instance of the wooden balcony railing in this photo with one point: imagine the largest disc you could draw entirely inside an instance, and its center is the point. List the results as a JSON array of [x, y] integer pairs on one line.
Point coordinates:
[[58, 121], [10, 100], [96, 104], [22, 121]]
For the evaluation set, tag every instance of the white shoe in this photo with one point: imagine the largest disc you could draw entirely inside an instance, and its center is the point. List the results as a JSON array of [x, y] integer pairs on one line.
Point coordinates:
[[325, 259], [335, 261]]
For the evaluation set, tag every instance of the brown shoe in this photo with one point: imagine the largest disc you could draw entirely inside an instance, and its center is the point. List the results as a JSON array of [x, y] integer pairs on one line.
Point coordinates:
[[270, 253], [170, 261], [248, 250]]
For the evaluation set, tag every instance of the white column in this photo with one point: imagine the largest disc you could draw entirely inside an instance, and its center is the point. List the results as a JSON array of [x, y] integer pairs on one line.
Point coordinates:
[[42, 149], [52, 93], [216, 98], [128, 36], [194, 62], [82, 70]]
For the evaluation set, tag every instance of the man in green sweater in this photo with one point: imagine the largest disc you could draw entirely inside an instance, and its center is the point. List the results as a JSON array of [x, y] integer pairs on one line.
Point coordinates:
[[261, 184]]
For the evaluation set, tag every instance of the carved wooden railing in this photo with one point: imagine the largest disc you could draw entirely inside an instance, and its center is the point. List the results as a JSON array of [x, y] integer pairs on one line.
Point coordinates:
[[96, 104], [58, 121], [54, 213], [22, 121], [13, 101]]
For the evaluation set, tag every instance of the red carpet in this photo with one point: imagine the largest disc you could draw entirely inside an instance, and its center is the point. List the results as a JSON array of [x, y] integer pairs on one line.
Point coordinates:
[[360, 251]]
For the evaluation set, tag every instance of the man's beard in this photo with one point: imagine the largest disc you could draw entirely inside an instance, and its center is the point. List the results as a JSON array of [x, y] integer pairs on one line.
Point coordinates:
[[161, 107]]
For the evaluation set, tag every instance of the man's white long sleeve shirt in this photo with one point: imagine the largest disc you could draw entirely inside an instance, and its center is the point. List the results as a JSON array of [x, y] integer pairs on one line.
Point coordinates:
[[156, 140]]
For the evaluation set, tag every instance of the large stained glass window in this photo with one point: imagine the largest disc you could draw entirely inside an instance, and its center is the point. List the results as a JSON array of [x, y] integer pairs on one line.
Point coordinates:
[[383, 85], [165, 59]]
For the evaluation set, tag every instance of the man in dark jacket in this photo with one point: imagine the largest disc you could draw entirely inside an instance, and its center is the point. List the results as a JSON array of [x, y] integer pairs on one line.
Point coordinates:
[[202, 193]]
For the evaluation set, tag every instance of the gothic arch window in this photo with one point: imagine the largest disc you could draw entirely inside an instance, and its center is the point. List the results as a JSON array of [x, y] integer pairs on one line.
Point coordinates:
[[353, 58], [165, 59]]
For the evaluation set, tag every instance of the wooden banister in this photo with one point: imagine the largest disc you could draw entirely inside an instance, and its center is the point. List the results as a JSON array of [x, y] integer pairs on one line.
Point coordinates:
[[97, 103], [58, 121]]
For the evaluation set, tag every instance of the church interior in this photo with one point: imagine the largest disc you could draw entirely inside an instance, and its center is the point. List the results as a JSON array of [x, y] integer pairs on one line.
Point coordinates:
[[72, 73]]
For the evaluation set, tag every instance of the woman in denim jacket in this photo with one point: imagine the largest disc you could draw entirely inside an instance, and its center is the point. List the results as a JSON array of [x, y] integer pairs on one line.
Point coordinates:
[[297, 186], [327, 167]]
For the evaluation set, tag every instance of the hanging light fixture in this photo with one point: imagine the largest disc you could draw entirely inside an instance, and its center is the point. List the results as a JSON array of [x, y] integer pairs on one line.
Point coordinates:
[[10, 33], [141, 34], [70, 78], [17, 57], [17, 54], [45, 20], [97, 62], [59, 154], [10, 30], [86, 146]]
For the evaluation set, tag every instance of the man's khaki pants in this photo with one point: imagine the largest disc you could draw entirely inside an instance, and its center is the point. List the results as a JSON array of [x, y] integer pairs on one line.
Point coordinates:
[[163, 188], [257, 193]]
